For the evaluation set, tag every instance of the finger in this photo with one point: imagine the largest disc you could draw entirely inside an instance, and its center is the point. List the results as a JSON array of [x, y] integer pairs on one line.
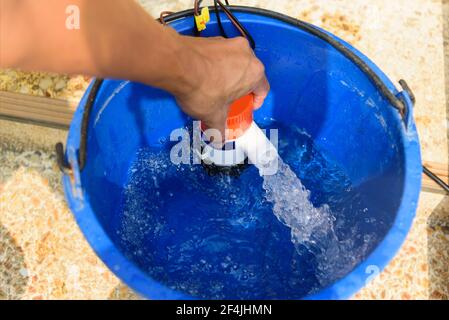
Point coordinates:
[[261, 92]]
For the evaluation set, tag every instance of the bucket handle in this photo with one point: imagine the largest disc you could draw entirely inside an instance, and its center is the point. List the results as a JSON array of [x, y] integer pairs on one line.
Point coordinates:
[[61, 159], [408, 100]]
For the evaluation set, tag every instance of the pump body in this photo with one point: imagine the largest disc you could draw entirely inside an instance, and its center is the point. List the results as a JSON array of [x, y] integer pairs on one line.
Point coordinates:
[[245, 143]]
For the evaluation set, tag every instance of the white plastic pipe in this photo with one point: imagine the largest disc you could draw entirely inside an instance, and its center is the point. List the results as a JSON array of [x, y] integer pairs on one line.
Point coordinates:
[[259, 150], [253, 144]]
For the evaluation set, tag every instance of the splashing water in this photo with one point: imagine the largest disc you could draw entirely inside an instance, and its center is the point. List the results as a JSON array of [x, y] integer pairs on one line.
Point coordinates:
[[277, 237], [310, 226]]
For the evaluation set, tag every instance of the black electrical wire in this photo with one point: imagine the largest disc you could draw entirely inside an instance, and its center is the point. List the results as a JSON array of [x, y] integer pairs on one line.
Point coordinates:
[[435, 178], [162, 17], [234, 20], [224, 7]]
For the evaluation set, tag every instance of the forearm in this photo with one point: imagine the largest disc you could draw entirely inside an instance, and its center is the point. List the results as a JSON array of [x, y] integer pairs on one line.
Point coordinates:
[[116, 39]]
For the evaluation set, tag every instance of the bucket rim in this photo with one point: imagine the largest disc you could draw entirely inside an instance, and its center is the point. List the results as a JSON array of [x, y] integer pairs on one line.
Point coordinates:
[[344, 288]]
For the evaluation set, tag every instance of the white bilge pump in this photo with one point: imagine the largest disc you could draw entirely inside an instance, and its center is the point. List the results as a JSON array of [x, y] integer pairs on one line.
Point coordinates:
[[246, 142], [253, 146]]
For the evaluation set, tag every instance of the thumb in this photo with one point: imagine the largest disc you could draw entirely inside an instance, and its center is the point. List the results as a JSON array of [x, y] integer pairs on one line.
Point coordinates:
[[218, 123]]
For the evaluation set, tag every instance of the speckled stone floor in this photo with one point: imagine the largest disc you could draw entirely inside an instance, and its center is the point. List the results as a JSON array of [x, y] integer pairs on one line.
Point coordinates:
[[43, 255]]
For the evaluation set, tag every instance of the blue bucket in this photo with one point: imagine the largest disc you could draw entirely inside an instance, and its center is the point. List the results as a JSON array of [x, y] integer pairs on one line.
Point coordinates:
[[321, 84]]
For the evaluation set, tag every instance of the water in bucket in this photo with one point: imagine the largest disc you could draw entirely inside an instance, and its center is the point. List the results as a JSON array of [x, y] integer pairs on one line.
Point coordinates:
[[247, 237]]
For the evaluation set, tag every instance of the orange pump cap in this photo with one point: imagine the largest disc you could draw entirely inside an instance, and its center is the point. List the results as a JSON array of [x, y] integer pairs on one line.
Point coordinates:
[[240, 117]]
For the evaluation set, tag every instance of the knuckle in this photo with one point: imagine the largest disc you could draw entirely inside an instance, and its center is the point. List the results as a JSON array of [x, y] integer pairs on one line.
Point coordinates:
[[259, 67], [241, 42]]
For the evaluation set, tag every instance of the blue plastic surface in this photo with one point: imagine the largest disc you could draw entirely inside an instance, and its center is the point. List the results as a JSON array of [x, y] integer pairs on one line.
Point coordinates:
[[314, 86]]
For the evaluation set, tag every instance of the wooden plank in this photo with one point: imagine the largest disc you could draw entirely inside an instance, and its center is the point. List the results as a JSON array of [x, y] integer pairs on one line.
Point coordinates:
[[40, 110]]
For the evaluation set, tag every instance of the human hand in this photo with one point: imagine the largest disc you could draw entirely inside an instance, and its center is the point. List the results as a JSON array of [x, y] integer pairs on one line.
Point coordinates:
[[218, 72]]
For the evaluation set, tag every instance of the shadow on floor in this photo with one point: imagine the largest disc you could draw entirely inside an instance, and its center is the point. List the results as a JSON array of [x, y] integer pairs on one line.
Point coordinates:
[[13, 272], [438, 251], [438, 223]]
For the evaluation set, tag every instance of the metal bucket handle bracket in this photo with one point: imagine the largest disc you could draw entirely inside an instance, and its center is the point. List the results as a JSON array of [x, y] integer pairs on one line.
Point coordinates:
[[397, 101]]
